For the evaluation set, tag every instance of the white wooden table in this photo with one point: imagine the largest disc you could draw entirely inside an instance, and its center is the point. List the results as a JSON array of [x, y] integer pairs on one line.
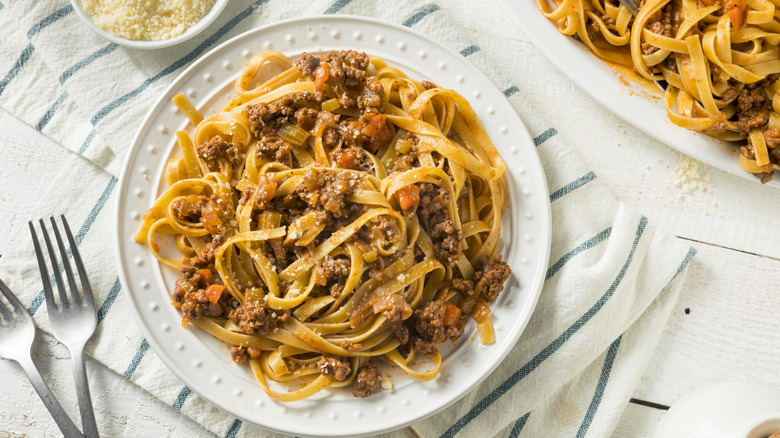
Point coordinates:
[[725, 326]]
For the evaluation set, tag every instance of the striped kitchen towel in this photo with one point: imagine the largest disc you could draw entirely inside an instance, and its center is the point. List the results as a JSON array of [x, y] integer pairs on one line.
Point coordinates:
[[609, 289]]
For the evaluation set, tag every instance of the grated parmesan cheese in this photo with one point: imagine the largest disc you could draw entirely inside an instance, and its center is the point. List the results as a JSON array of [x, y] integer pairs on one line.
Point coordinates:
[[146, 20], [689, 177], [387, 385]]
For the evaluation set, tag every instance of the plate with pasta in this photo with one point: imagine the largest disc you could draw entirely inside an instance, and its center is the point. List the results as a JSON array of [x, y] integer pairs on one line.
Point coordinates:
[[678, 69], [321, 234]]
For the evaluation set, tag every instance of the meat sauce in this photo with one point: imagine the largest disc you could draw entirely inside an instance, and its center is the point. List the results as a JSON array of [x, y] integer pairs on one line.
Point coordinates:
[[324, 195]]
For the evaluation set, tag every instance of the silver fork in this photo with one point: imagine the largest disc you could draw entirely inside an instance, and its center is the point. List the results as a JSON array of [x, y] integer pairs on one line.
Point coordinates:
[[17, 335], [632, 5], [74, 318]]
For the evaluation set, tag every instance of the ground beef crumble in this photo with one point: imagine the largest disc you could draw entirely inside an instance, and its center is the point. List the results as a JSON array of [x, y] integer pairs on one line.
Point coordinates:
[[490, 276], [189, 208], [465, 287], [243, 354], [265, 117], [254, 317], [328, 189], [429, 323], [206, 257], [347, 67], [335, 367], [367, 381], [351, 346], [332, 273], [195, 303], [219, 149], [753, 105], [434, 217], [273, 149]]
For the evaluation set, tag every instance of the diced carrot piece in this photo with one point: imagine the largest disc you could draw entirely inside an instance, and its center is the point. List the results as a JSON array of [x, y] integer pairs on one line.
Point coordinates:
[[321, 75], [375, 124], [737, 10], [346, 159], [210, 219], [451, 314], [214, 293], [206, 279], [266, 187], [409, 197]]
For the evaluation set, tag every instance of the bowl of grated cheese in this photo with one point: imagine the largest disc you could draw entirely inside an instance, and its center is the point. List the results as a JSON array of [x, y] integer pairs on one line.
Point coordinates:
[[150, 24]]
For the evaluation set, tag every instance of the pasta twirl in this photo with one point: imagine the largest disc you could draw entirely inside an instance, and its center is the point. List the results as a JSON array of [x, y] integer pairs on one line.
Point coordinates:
[[333, 215]]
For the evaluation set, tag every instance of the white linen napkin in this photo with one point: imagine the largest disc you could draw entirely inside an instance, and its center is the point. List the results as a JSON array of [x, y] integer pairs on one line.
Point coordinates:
[[610, 286]]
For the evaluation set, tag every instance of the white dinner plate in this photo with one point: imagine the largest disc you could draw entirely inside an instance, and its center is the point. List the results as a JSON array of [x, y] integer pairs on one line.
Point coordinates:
[[204, 363], [633, 102]]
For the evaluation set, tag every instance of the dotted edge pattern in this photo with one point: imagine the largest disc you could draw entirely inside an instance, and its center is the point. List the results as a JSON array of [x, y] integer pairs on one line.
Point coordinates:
[[209, 375]]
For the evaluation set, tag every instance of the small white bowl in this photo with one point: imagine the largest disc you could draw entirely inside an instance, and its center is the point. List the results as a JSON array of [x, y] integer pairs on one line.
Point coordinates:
[[204, 22]]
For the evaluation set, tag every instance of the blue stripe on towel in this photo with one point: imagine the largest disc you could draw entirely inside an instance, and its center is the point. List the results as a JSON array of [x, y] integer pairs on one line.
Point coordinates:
[[87, 142], [600, 387], [109, 301], [139, 354], [51, 18], [234, 429], [544, 136], [181, 398], [86, 61], [588, 244], [20, 62], [519, 425], [509, 92], [553, 347], [468, 51], [570, 187], [420, 14], [28, 50], [50, 112], [337, 6]]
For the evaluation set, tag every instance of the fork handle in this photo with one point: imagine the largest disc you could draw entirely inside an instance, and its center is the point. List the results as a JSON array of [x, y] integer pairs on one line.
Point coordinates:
[[82, 391], [64, 422]]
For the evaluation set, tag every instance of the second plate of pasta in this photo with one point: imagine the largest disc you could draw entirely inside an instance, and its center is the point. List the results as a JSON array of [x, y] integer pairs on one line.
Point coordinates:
[[717, 67]]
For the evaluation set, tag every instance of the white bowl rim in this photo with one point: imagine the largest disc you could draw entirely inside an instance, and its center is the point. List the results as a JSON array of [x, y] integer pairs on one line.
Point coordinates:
[[203, 23]]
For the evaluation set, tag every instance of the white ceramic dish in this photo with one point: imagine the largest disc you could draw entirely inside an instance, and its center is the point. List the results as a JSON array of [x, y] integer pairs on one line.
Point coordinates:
[[204, 22], [203, 363], [724, 410], [633, 102]]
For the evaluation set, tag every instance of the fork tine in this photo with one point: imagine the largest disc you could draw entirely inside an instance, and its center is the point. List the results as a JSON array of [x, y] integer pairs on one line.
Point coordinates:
[[48, 293], [4, 310], [65, 262], [11, 297], [74, 249], [55, 266]]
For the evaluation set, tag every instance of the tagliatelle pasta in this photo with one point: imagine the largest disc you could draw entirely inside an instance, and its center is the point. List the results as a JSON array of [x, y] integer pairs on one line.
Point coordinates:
[[717, 59], [337, 212]]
